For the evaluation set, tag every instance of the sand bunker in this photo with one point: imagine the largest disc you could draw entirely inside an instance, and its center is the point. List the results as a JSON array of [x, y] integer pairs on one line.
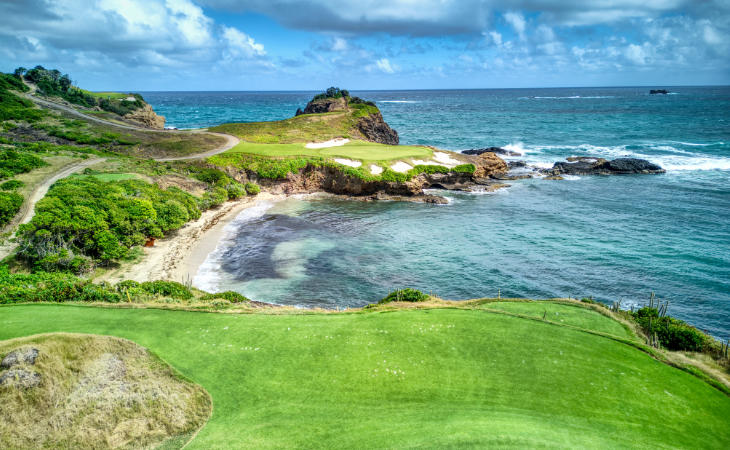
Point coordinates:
[[401, 167], [348, 162], [339, 142]]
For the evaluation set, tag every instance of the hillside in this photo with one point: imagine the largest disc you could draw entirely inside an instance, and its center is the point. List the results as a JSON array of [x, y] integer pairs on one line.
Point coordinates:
[[543, 375]]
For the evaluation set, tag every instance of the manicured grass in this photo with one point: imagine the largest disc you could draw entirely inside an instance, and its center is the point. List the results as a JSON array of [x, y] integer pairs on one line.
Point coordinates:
[[110, 95], [360, 150], [562, 313], [417, 378]]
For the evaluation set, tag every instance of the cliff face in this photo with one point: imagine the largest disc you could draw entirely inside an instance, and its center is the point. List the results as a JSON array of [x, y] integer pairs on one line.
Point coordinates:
[[373, 128], [147, 117], [335, 181]]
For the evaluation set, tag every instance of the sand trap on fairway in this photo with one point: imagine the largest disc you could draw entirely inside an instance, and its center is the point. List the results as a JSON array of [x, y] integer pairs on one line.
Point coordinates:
[[445, 159], [375, 169], [339, 142], [348, 162], [401, 167]]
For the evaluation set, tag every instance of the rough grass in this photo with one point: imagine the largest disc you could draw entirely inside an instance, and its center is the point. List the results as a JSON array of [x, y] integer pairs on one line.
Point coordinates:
[[98, 392], [304, 128], [434, 378], [358, 150], [115, 176]]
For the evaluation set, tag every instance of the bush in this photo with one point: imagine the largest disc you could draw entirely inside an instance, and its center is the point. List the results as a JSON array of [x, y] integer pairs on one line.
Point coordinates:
[[405, 295], [252, 188], [83, 220], [170, 289], [13, 162], [231, 296], [672, 333], [464, 168], [10, 204], [52, 287], [11, 185]]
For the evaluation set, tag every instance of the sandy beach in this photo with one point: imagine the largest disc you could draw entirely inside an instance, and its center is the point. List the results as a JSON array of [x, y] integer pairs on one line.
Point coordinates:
[[178, 256]]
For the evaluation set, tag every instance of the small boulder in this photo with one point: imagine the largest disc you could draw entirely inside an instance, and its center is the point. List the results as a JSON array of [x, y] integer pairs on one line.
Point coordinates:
[[20, 378], [25, 355]]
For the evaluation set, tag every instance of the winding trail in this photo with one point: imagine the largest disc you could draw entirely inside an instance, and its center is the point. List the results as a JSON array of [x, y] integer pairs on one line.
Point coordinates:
[[28, 209], [231, 141]]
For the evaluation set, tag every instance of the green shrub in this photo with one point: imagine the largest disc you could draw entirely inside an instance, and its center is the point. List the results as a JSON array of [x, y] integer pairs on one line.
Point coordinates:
[[252, 189], [405, 295], [13, 162], [672, 333], [167, 289], [10, 203], [11, 185], [52, 287], [235, 190], [231, 296], [84, 220], [464, 168]]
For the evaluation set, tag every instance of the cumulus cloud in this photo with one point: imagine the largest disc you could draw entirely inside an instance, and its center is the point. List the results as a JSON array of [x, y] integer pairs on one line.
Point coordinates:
[[126, 33], [385, 66], [517, 21]]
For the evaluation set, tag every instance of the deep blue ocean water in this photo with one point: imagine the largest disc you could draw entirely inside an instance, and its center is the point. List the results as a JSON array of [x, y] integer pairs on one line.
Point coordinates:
[[607, 237]]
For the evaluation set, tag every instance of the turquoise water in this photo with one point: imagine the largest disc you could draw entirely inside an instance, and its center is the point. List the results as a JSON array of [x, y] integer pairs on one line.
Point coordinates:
[[609, 237]]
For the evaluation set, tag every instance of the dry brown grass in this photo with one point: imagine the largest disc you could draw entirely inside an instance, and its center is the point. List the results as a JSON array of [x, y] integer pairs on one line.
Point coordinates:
[[99, 392]]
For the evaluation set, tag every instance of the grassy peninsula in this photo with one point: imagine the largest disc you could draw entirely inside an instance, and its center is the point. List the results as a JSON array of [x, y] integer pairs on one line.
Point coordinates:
[[84, 188]]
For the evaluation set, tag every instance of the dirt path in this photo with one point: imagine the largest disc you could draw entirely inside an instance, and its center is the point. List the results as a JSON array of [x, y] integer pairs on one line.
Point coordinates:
[[28, 209], [231, 141]]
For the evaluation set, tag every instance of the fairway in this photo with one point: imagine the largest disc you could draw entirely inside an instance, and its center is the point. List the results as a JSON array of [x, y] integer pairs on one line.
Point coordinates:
[[412, 378], [360, 150]]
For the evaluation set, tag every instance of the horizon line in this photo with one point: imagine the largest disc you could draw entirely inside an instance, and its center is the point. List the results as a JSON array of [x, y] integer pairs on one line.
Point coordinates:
[[650, 86]]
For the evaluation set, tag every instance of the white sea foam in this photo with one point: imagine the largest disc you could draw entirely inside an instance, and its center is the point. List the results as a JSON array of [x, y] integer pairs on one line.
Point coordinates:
[[517, 147], [209, 275]]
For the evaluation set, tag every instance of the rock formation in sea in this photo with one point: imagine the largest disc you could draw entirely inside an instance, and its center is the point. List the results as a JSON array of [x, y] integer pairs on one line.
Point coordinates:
[[582, 165], [497, 150]]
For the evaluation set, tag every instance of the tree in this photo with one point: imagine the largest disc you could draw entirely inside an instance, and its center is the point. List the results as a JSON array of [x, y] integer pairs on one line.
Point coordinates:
[[19, 72]]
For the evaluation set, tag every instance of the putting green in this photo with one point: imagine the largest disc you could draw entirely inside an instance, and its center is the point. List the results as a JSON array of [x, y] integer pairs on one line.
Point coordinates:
[[411, 378]]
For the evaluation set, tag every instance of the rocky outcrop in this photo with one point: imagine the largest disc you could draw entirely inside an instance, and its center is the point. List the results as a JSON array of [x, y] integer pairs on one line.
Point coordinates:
[[374, 129], [25, 355], [600, 166], [146, 117], [659, 91], [497, 150], [488, 165], [20, 378], [324, 106]]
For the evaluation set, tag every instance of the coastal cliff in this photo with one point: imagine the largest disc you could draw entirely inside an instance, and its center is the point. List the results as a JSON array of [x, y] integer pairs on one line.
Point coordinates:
[[367, 121]]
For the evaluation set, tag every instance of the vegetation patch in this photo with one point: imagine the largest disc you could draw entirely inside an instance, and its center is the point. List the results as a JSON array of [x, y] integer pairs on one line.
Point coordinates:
[[83, 221], [96, 392], [10, 203], [405, 295]]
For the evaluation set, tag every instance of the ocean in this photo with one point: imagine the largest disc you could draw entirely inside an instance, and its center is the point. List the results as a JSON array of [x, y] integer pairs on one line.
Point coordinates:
[[612, 238]]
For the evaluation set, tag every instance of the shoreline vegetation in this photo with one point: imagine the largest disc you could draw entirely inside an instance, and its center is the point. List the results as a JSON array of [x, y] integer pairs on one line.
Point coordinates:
[[128, 232]]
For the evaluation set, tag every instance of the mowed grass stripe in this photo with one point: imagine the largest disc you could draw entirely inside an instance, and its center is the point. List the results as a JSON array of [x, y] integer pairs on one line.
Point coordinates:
[[432, 378], [359, 150]]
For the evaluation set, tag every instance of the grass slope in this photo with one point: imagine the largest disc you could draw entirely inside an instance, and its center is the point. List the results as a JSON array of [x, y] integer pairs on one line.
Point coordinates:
[[412, 378], [359, 150], [304, 128]]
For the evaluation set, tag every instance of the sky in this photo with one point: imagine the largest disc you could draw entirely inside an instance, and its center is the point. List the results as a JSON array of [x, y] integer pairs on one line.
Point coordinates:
[[145, 45]]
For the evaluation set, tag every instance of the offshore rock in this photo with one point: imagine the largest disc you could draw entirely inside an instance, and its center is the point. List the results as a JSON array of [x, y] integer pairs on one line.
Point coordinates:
[[600, 166], [497, 150]]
